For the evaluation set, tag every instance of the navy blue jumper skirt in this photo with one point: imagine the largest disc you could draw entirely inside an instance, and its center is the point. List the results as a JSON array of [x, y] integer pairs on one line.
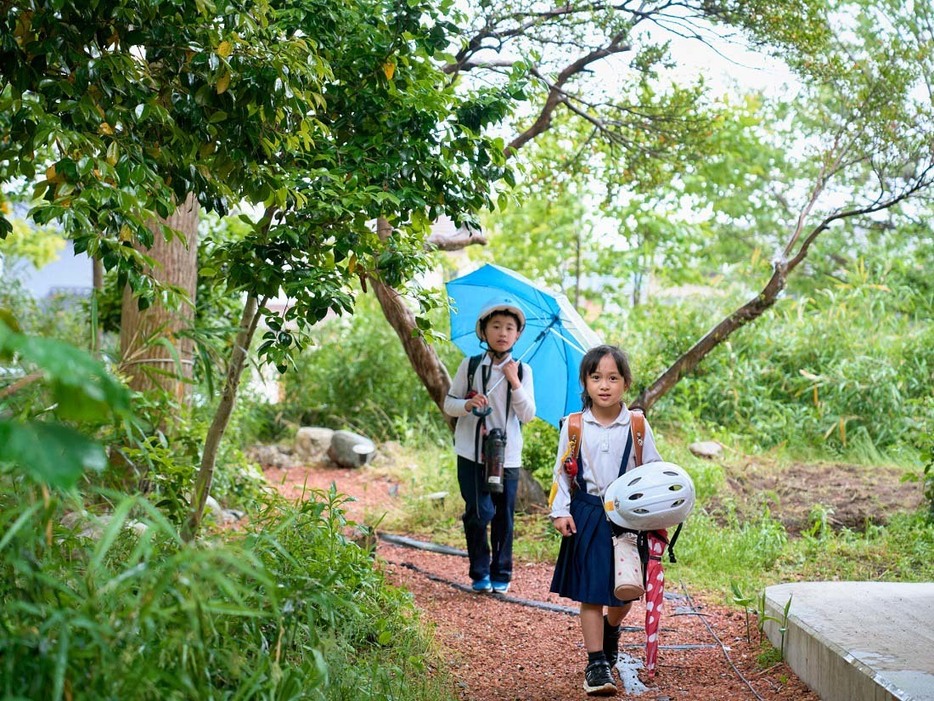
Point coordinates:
[[584, 571]]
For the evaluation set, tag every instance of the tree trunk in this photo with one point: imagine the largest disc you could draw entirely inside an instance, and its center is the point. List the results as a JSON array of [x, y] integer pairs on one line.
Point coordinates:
[[750, 311], [150, 364], [422, 356], [248, 322], [98, 282]]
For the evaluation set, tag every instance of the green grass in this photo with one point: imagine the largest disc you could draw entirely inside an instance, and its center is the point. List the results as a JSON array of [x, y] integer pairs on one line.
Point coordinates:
[[289, 609], [752, 552]]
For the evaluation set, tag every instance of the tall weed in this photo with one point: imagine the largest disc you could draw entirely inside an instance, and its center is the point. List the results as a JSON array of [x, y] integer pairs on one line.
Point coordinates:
[[355, 374], [290, 610], [841, 370]]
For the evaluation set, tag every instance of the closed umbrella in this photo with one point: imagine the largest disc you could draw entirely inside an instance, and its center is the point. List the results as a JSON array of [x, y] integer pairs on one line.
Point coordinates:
[[654, 596], [553, 343]]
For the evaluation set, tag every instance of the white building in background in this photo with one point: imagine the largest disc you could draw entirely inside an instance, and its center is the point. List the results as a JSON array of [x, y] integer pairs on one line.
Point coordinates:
[[70, 274]]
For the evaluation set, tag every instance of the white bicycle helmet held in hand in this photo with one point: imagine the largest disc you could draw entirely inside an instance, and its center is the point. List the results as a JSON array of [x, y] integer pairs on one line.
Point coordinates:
[[651, 497]]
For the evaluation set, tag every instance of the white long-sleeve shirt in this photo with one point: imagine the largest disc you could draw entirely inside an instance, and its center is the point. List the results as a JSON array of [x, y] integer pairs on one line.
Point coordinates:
[[601, 452], [521, 408]]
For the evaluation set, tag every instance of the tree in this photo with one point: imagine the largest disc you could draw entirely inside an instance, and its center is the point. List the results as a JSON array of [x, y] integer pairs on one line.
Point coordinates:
[[866, 124], [147, 362], [325, 116], [863, 121], [651, 127]]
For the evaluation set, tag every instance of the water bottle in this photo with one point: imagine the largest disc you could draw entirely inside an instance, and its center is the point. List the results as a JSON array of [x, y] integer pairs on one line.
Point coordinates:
[[494, 457]]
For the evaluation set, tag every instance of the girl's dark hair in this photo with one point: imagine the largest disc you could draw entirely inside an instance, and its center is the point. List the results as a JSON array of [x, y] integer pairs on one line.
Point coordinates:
[[592, 359]]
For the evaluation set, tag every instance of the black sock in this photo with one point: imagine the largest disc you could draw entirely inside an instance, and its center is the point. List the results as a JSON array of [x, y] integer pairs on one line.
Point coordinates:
[[607, 626], [595, 657]]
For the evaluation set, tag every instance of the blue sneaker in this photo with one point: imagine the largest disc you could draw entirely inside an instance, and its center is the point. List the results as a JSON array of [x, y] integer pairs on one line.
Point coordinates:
[[500, 587], [481, 585]]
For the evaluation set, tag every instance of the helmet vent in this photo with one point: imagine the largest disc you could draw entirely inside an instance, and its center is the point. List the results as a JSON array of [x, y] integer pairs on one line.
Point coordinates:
[[640, 511], [675, 487], [677, 502], [637, 495]]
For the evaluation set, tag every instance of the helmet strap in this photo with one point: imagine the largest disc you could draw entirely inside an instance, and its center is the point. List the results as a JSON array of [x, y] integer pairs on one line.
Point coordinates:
[[496, 355]]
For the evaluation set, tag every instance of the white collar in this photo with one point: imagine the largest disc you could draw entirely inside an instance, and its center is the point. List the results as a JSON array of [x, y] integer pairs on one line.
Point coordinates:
[[623, 419]]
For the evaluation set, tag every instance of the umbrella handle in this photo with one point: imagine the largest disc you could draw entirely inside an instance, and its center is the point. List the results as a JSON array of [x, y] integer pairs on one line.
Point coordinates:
[[485, 411]]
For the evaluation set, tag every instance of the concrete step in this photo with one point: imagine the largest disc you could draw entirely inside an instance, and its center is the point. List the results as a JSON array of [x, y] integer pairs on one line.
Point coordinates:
[[857, 641]]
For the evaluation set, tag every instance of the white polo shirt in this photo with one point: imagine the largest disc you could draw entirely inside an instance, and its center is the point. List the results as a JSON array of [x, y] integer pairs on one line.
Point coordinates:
[[601, 452], [521, 408]]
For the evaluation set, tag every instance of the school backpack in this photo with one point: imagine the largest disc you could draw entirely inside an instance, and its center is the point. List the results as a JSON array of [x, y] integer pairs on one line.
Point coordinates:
[[570, 464]]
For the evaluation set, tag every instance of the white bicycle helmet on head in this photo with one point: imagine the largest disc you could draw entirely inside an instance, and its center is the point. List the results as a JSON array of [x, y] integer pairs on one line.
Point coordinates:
[[499, 304], [651, 497]]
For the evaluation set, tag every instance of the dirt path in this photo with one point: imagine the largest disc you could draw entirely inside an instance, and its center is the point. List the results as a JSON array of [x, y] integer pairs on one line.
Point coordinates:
[[501, 649]]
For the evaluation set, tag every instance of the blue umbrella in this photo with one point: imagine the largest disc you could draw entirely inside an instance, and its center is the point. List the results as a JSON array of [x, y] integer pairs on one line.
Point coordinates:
[[553, 342]]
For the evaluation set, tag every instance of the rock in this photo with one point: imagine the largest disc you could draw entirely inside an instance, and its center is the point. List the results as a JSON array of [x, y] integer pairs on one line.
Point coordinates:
[[272, 456], [349, 449], [436, 499], [212, 506], [93, 526], [706, 449], [233, 515], [530, 497], [312, 442]]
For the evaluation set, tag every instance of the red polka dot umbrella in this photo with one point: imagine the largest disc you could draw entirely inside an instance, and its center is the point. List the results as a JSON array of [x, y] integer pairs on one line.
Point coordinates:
[[654, 593]]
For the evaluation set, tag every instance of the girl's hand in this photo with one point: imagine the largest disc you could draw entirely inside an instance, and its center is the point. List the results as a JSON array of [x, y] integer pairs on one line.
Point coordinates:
[[565, 525], [478, 401]]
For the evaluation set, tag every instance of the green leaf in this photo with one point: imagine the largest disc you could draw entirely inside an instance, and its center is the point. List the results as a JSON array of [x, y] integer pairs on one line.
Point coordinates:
[[50, 453], [82, 386]]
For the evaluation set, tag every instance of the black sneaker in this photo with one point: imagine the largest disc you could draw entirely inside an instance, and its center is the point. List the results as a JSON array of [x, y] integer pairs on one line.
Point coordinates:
[[598, 679], [611, 642]]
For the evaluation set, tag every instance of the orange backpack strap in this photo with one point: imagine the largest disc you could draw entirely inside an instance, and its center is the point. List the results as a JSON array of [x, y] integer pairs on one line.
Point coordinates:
[[570, 453], [574, 434], [638, 433]]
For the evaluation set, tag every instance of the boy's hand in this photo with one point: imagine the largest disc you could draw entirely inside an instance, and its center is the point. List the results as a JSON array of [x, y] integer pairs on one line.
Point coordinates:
[[565, 525], [511, 371], [478, 401]]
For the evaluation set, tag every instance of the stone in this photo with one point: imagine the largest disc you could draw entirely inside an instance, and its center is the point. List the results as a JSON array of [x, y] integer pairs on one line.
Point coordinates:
[[272, 456], [530, 497], [706, 449], [312, 442], [349, 449]]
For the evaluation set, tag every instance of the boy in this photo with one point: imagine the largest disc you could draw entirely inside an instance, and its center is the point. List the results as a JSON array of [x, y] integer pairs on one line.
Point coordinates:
[[497, 394]]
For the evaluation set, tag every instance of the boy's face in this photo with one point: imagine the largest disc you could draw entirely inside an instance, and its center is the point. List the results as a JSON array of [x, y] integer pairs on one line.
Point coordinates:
[[501, 332]]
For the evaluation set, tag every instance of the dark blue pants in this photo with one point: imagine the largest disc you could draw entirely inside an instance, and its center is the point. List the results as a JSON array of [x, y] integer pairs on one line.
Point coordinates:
[[488, 557]]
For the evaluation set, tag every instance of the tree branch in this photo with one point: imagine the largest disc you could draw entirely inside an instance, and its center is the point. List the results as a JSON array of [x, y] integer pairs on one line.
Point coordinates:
[[556, 95]]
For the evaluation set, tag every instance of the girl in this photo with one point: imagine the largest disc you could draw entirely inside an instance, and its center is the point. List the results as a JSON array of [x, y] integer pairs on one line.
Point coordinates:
[[584, 571]]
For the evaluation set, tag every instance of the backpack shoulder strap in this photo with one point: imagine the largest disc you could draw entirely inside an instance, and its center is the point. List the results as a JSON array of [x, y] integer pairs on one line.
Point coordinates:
[[638, 433], [472, 366], [574, 434], [571, 453]]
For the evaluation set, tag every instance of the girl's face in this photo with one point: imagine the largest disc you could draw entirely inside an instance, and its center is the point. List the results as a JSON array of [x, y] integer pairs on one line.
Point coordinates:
[[605, 385], [501, 332]]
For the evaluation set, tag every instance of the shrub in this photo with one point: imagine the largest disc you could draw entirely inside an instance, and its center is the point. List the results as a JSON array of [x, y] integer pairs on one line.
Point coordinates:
[[355, 374], [291, 610], [808, 374], [540, 441]]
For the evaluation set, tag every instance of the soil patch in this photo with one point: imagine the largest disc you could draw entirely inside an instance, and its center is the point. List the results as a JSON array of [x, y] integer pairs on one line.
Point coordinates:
[[848, 496]]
